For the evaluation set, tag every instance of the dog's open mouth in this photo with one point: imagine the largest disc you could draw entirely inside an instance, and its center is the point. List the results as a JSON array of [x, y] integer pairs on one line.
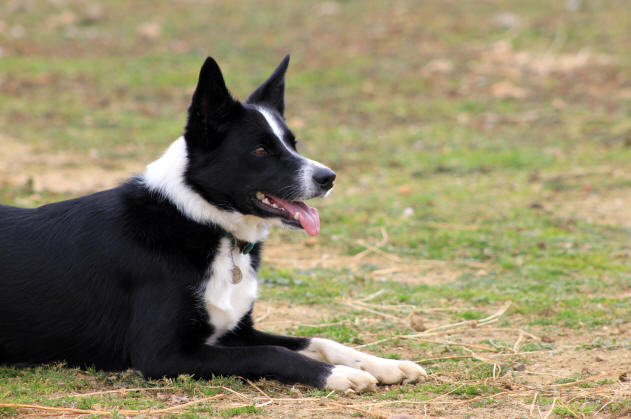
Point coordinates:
[[294, 213]]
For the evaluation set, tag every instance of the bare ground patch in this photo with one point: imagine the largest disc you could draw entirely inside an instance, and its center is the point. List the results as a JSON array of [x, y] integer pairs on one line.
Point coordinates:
[[275, 316], [582, 196], [554, 366], [610, 207], [372, 261], [526, 382]]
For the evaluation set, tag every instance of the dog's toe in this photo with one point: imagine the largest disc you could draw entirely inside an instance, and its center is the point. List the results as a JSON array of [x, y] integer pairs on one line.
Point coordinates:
[[413, 372], [346, 378], [392, 371]]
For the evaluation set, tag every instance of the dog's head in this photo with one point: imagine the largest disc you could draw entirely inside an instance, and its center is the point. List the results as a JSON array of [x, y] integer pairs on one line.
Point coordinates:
[[242, 156]]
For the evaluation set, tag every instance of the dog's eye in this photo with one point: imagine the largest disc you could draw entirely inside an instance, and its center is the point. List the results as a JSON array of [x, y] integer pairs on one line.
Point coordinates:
[[260, 151]]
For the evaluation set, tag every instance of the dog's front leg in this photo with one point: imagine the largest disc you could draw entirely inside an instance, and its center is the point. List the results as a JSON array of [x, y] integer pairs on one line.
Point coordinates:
[[256, 362], [387, 371]]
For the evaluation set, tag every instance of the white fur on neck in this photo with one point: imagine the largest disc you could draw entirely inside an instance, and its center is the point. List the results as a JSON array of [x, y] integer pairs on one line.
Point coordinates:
[[166, 176]]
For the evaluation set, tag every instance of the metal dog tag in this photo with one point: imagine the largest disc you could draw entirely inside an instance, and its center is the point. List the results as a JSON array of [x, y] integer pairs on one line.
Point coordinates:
[[237, 275]]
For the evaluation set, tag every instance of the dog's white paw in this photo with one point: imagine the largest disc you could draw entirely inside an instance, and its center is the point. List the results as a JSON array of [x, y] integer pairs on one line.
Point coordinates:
[[346, 378], [386, 371], [392, 371]]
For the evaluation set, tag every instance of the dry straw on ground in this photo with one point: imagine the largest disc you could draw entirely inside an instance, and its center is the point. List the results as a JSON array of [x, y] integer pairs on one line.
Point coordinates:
[[605, 388]]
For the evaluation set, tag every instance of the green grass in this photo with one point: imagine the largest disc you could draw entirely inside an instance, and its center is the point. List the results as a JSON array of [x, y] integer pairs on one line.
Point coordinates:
[[492, 188]]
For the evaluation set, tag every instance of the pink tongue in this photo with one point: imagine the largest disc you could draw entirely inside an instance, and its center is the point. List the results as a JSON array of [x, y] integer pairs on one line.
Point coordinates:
[[309, 218]]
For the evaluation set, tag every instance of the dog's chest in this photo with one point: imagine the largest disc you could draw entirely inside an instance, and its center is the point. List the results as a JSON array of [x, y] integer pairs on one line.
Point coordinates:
[[225, 301]]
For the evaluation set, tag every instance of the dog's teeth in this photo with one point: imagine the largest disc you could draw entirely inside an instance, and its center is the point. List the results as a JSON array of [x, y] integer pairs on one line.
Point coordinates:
[[266, 201], [274, 205], [297, 216], [260, 196]]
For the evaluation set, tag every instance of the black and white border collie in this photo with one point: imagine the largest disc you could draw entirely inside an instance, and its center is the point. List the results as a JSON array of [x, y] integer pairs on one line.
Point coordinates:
[[159, 274]]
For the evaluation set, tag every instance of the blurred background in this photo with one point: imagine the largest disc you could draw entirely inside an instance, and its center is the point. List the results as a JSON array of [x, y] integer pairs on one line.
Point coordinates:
[[391, 94], [483, 148]]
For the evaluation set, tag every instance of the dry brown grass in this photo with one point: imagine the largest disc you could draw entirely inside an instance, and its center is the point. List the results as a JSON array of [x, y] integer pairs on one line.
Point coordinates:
[[522, 391]]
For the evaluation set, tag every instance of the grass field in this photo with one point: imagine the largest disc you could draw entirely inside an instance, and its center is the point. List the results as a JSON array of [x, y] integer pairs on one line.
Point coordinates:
[[481, 223]]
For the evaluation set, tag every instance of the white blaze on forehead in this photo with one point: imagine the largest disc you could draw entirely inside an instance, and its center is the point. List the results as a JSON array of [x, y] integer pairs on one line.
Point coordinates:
[[275, 125], [308, 166]]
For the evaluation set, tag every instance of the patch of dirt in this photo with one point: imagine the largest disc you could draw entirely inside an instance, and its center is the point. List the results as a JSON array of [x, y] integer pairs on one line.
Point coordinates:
[[24, 165], [608, 207], [276, 317], [579, 354], [595, 360], [599, 195], [372, 262]]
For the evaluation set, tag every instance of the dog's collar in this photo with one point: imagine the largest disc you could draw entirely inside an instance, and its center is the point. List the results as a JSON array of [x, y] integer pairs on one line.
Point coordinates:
[[243, 246]]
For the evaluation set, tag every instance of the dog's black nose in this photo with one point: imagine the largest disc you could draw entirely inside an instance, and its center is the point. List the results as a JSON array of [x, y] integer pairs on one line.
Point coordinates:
[[324, 177]]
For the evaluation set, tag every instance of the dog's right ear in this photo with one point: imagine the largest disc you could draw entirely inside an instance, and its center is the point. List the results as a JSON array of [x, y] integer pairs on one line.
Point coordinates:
[[211, 106], [272, 92]]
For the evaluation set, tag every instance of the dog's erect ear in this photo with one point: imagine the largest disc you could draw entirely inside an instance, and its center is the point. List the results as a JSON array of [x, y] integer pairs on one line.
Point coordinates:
[[272, 92], [211, 99], [211, 105]]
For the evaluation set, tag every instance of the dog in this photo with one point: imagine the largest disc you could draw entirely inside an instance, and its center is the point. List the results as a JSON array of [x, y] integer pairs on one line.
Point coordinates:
[[159, 273]]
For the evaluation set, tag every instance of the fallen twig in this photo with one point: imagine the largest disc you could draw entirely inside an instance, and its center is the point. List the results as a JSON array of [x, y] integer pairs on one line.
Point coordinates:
[[450, 343], [568, 409], [118, 390], [501, 393], [554, 401], [370, 310], [172, 408], [532, 405], [357, 409], [257, 388], [498, 313], [373, 295], [584, 380], [124, 412], [517, 342], [56, 409]]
